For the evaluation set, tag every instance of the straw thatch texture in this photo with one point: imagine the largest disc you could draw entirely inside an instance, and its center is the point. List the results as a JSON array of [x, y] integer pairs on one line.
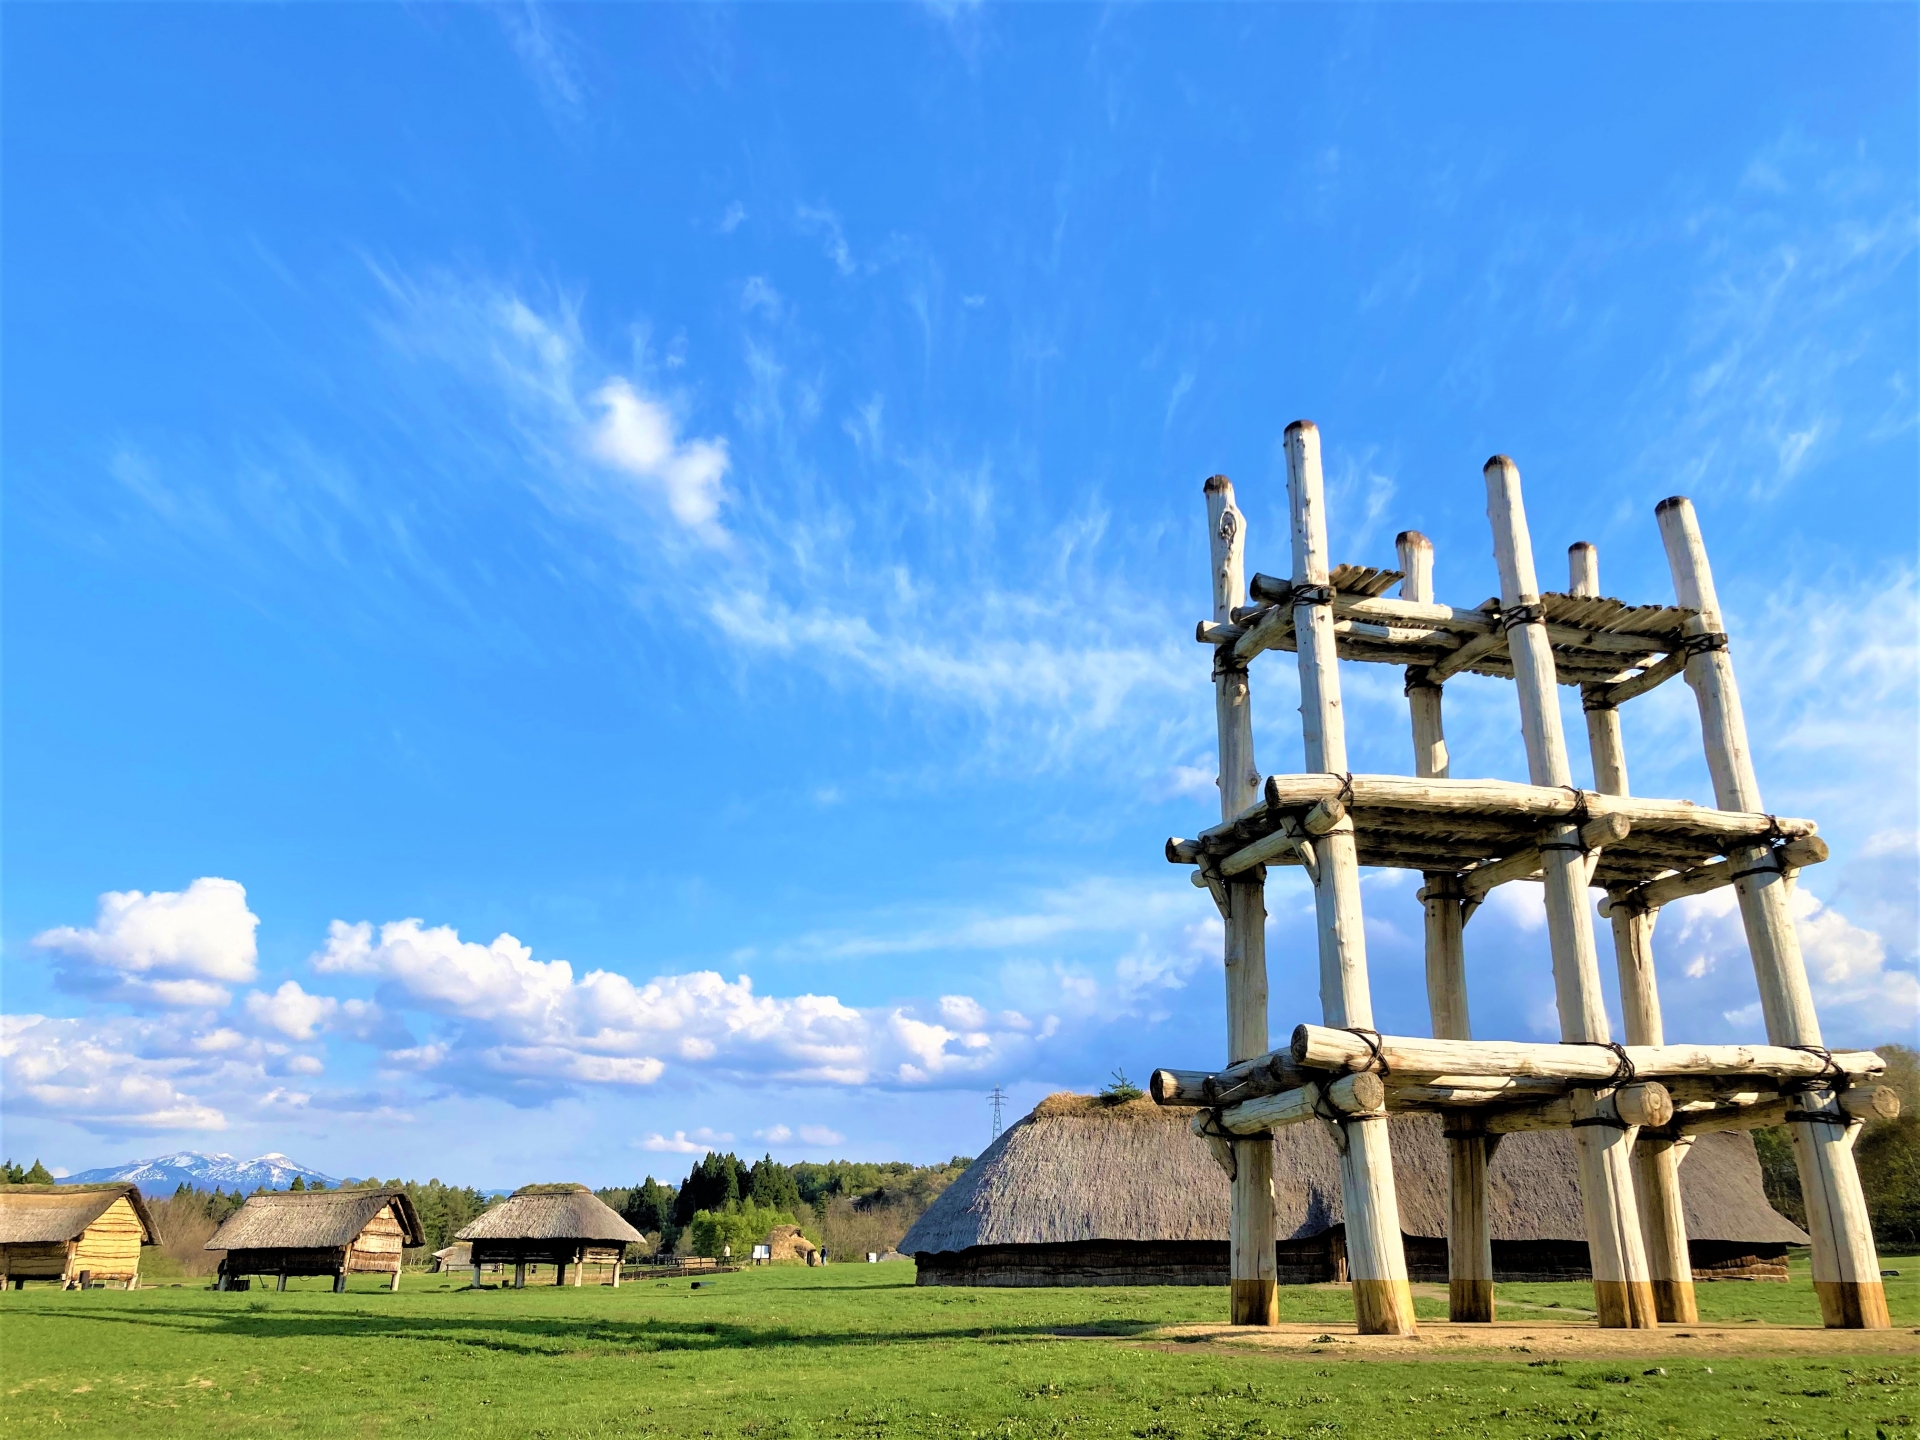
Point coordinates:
[[1083, 1192], [55, 1214], [549, 1213], [314, 1220]]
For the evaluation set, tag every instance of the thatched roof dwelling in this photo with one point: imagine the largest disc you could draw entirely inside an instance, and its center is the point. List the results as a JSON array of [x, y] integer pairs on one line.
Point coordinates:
[[1085, 1193], [76, 1234], [558, 1225], [453, 1257], [785, 1242], [319, 1232]]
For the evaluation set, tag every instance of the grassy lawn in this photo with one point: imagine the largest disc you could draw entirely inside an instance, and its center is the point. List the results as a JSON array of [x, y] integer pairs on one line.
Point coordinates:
[[858, 1351]]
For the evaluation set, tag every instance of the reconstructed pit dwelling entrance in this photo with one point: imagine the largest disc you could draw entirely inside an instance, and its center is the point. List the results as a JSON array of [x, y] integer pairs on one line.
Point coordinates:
[[1631, 1107]]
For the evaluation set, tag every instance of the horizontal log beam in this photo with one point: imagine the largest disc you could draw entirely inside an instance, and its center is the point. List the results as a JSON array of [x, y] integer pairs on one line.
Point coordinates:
[[1322, 818], [1522, 864], [1646, 1104], [1794, 855], [1611, 697], [1358, 1094], [1262, 1075], [1321, 1047]]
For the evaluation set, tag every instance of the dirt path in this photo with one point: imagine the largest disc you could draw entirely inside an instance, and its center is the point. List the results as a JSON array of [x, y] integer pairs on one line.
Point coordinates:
[[1543, 1339]]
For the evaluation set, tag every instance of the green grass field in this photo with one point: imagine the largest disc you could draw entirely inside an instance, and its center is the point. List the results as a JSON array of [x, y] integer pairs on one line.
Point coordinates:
[[858, 1351]]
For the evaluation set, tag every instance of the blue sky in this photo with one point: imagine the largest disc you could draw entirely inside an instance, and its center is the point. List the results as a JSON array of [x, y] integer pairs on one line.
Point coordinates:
[[585, 582]]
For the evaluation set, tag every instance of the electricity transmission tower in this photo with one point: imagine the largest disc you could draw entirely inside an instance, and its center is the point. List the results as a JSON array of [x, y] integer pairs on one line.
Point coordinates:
[[998, 1098]]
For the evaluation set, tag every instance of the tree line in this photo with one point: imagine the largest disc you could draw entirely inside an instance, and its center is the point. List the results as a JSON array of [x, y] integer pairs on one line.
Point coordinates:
[[724, 1197]]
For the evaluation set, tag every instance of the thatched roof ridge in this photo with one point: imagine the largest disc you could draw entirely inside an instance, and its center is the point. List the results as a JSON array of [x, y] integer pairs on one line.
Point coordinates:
[[54, 1214], [552, 1212], [314, 1219], [1080, 1169]]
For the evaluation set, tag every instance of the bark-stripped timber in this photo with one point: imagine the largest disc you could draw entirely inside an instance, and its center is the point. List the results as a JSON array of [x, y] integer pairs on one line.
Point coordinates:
[[1262, 1075], [1623, 1296], [1527, 864], [1791, 857], [1323, 1047], [1654, 676], [1846, 1267], [1756, 1111], [1316, 822], [1254, 1283], [1655, 1163], [1444, 913], [1643, 1103], [1383, 1299], [1361, 1093]]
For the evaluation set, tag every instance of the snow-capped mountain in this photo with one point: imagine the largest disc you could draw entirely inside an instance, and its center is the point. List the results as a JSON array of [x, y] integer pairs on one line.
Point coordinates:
[[164, 1173]]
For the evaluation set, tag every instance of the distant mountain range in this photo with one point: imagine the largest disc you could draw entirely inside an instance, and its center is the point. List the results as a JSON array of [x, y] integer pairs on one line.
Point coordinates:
[[163, 1174]]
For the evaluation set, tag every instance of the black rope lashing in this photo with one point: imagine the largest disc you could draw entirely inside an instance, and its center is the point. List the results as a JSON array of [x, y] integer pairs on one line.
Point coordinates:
[[1346, 790], [1582, 810], [1310, 595], [1700, 644], [1522, 615], [1419, 677], [1594, 697], [1323, 1106], [1373, 1042], [1212, 1129], [1771, 868], [1831, 1075], [1602, 1120], [1623, 1071]]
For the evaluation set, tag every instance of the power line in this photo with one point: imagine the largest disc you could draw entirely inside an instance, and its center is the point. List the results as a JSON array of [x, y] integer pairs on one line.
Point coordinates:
[[998, 1097]]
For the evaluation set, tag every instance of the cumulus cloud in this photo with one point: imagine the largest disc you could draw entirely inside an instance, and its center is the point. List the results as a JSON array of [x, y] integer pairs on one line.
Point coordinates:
[[175, 948], [635, 434], [292, 1012], [535, 1020], [1861, 997], [115, 1076], [698, 1142]]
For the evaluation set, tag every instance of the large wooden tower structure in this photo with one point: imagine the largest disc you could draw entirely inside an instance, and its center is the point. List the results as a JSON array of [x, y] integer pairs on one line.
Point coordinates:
[[1631, 1107]]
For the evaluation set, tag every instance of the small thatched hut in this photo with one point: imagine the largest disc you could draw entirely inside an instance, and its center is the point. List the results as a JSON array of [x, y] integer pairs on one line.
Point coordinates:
[[318, 1232], [77, 1234], [1085, 1193], [453, 1257], [557, 1225]]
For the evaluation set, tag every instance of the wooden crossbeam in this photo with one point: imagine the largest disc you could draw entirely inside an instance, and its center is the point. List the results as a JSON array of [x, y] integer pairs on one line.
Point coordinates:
[[1794, 855]]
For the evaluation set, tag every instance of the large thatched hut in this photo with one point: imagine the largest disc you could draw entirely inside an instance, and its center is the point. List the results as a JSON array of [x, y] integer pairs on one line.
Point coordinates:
[[76, 1234], [557, 1225], [319, 1232], [1085, 1193]]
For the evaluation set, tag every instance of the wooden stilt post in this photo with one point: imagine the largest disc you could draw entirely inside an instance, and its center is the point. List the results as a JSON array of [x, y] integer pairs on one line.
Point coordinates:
[[1376, 1257], [579, 1265], [1846, 1268], [283, 1281], [1469, 1231], [476, 1274], [520, 1273], [1656, 1160], [1252, 1266], [1623, 1298]]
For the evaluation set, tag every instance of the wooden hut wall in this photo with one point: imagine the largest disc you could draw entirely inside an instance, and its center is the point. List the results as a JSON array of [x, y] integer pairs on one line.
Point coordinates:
[[109, 1248]]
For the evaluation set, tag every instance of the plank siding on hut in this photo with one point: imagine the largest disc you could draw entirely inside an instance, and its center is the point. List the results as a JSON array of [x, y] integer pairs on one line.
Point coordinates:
[[1083, 1193], [62, 1232]]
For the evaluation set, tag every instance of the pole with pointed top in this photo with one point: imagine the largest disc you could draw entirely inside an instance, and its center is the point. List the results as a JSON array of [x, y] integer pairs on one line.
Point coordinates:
[[1656, 1159], [1376, 1258], [1846, 1268], [1252, 1261], [1623, 1298], [1469, 1233]]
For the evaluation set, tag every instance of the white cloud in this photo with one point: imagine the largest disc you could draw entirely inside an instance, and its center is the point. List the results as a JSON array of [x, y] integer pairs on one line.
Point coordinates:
[[774, 1134], [547, 49], [698, 1142], [114, 1076], [291, 1010], [534, 1020], [635, 434], [818, 220], [820, 1135], [1857, 992], [175, 948]]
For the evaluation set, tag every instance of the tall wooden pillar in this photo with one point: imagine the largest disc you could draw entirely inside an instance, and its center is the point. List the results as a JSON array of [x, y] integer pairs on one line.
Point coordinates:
[[1252, 1264], [1656, 1159], [1376, 1257], [1846, 1268], [1469, 1230], [1623, 1298]]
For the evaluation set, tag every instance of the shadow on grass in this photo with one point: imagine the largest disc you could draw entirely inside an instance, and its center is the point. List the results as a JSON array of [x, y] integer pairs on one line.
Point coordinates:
[[553, 1335]]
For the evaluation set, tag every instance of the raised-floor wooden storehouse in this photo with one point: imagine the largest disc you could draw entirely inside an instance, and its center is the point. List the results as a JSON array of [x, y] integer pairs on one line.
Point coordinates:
[[359, 1231], [1081, 1192], [557, 1225], [76, 1234]]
